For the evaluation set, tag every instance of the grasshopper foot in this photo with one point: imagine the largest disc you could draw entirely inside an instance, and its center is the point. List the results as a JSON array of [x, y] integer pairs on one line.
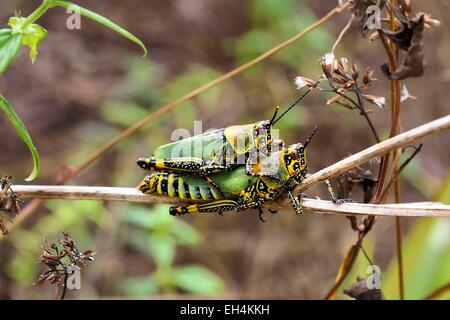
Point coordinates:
[[261, 214], [340, 201]]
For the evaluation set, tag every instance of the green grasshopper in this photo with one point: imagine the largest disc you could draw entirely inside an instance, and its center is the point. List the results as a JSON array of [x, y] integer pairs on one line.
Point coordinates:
[[205, 168], [219, 150], [283, 169]]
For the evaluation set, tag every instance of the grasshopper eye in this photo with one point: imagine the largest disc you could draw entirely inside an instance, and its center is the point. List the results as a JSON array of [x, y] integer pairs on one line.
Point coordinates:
[[294, 154]]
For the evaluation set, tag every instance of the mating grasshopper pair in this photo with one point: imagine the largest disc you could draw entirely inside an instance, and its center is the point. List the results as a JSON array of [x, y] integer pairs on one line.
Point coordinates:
[[234, 168]]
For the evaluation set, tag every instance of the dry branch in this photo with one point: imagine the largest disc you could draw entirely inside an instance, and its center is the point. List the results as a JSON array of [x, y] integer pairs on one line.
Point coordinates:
[[377, 150], [310, 205], [421, 209]]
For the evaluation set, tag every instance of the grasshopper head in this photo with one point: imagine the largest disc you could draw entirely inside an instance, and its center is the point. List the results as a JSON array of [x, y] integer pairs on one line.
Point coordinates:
[[295, 159]]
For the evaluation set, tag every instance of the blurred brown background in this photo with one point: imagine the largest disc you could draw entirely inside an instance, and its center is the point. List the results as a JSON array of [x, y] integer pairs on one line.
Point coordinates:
[[87, 85]]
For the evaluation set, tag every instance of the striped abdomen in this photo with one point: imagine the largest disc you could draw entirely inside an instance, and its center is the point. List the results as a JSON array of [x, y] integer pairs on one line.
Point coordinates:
[[179, 186]]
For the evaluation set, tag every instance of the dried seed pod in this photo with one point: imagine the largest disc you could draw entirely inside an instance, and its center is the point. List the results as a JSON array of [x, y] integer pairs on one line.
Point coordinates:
[[368, 75], [333, 100], [355, 71], [361, 291], [339, 80], [301, 82], [328, 62], [429, 22], [413, 65], [349, 84], [343, 65], [376, 100]]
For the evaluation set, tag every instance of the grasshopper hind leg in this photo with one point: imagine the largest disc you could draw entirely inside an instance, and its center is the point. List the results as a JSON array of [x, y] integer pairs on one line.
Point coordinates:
[[216, 206]]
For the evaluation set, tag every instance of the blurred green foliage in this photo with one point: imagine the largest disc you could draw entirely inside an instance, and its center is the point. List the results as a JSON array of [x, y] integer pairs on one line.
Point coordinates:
[[426, 255], [158, 235]]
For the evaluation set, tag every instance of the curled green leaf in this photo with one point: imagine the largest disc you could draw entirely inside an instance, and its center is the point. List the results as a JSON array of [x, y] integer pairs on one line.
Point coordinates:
[[9, 47], [100, 19], [23, 133], [32, 34]]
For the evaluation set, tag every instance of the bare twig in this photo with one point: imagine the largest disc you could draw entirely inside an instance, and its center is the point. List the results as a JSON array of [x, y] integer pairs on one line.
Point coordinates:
[[420, 209], [377, 150], [395, 128], [440, 291], [343, 31]]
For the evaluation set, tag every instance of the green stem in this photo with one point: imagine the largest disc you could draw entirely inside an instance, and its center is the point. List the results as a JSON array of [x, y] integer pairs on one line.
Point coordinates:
[[36, 14]]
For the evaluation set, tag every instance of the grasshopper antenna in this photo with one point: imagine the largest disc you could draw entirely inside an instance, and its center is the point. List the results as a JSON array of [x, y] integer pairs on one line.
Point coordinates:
[[310, 137], [274, 115], [295, 103]]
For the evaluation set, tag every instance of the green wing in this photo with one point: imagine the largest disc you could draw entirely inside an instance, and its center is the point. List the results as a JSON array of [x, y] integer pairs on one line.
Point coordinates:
[[203, 146]]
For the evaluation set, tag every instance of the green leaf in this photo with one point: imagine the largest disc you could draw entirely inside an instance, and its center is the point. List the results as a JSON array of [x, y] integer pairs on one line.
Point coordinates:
[[141, 286], [185, 233], [23, 133], [163, 249], [100, 19], [4, 35], [156, 218], [9, 47], [32, 37], [426, 259], [197, 279], [32, 34]]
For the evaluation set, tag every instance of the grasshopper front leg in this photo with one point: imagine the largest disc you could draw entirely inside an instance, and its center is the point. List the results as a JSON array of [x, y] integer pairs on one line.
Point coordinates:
[[296, 202]]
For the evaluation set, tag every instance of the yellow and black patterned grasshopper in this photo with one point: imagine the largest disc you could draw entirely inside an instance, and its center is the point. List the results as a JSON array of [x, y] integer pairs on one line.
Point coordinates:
[[219, 150], [283, 170], [216, 180]]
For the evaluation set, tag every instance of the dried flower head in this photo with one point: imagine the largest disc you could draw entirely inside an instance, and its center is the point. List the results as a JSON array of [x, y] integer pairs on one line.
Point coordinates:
[[301, 82], [10, 201], [329, 64], [62, 261], [376, 100], [361, 291]]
